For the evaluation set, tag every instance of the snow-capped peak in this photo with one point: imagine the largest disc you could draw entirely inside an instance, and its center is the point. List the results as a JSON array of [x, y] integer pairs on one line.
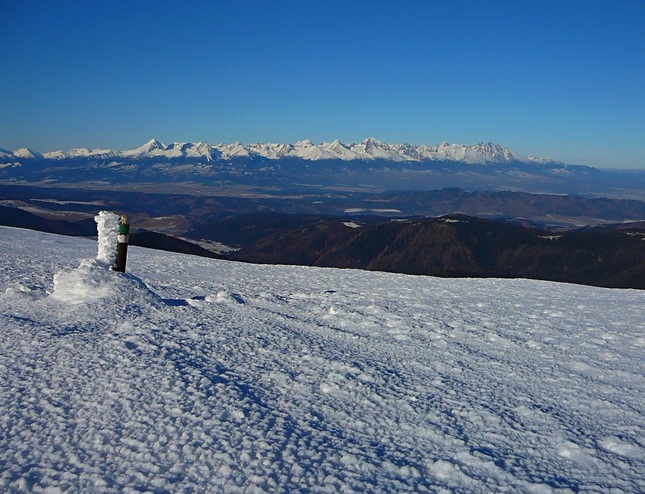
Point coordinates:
[[203, 149], [307, 150], [148, 147], [234, 150], [374, 149], [497, 152], [153, 144], [544, 161], [27, 153], [475, 154], [80, 153], [340, 150], [305, 143]]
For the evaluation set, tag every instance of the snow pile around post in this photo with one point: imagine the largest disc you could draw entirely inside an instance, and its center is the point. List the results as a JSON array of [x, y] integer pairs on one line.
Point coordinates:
[[89, 282], [94, 279], [248, 378], [108, 229]]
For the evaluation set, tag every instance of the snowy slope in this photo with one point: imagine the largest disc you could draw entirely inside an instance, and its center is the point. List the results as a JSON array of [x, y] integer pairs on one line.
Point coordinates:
[[196, 375], [6, 155]]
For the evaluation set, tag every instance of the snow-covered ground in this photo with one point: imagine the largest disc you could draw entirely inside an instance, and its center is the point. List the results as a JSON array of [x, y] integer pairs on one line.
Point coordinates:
[[196, 375]]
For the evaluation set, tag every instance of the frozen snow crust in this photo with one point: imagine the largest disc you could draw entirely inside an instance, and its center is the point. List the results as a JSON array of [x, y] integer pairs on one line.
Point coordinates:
[[107, 225], [197, 375]]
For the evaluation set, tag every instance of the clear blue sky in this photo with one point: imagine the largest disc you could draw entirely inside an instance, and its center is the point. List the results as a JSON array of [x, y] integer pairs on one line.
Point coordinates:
[[563, 78]]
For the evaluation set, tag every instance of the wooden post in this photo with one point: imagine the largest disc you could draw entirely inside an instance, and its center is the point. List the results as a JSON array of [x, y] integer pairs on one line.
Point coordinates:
[[122, 244]]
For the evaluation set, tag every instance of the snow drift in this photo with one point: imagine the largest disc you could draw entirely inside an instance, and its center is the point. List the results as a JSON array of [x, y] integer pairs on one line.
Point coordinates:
[[189, 374]]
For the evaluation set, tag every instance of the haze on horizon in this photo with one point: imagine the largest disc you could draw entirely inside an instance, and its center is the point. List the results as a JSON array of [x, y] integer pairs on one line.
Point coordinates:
[[551, 79]]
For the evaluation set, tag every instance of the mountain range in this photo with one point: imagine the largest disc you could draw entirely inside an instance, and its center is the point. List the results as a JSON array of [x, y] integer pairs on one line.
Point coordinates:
[[368, 149], [303, 167]]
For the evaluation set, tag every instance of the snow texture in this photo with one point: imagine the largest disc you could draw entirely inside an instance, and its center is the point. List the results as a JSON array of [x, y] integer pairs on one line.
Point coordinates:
[[196, 375], [107, 226]]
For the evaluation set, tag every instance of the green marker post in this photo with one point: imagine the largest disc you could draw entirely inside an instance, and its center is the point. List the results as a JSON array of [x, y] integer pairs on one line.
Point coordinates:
[[122, 244]]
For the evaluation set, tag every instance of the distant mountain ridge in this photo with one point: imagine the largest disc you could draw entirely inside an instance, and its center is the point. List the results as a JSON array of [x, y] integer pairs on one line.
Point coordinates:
[[366, 150], [303, 167]]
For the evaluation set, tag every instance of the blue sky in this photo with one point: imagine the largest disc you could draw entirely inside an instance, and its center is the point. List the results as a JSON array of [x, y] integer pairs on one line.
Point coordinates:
[[564, 79]]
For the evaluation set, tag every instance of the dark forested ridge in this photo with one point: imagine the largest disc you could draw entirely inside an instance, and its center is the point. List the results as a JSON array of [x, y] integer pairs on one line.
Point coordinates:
[[462, 246]]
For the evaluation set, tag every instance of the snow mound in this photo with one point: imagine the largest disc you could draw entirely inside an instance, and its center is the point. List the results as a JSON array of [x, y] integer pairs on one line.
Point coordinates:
[[94, 279], [91, 282], [87, 283]]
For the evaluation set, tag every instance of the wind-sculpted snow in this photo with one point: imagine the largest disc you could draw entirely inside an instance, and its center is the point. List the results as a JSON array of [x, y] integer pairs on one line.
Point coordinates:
[[196, 375]]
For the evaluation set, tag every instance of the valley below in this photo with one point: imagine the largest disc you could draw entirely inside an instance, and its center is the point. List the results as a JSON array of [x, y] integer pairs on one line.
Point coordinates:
[[447, 232]]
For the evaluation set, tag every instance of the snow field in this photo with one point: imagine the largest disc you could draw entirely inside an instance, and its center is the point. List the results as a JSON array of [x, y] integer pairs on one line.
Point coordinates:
[[189, 374]]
